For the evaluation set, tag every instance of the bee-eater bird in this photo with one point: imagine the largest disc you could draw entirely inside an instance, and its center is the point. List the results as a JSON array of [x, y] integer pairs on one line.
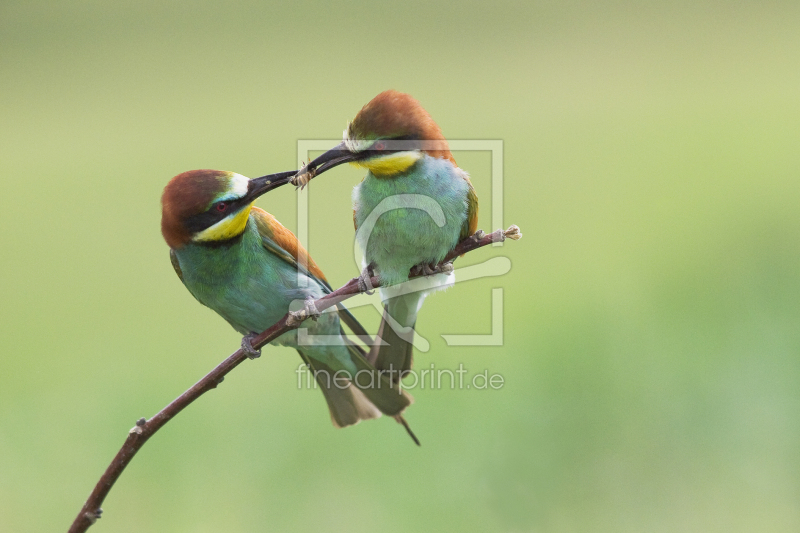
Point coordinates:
[[412, 208], [241, 262]]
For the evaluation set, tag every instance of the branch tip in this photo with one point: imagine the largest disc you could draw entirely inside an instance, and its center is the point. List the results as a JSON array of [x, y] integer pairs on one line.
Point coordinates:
[[513, 233]]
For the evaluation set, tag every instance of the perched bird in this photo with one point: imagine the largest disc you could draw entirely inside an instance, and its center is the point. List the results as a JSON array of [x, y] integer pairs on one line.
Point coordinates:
[[241, 262], [412, 208]]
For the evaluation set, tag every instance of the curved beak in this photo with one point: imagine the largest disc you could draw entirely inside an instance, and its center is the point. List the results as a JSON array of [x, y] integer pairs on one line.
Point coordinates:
[[332, 158], [258, 186]]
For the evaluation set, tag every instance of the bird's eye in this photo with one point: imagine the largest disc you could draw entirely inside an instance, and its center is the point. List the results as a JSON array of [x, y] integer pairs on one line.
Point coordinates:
[[380, 145], [221, 207]]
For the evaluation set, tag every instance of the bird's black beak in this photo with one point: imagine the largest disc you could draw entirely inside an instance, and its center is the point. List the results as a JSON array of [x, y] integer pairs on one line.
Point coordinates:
[[332, 158], [258, 186]]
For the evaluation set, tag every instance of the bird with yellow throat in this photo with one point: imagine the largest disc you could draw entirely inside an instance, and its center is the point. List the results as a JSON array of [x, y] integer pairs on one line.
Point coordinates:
[[241, 262], [410, 210]]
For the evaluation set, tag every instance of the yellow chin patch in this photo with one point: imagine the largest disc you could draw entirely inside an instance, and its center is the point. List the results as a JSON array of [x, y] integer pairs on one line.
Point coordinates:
[[227, 228], [391, 163]]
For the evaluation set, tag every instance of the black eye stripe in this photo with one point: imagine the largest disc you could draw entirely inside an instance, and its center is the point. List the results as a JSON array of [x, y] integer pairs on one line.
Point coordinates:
[[206, 219]]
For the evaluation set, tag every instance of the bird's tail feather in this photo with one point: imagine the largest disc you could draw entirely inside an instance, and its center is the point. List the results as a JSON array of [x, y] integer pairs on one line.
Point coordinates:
[[402, 421], [348, 405], [365, 395], [393, 350], [347, 317]]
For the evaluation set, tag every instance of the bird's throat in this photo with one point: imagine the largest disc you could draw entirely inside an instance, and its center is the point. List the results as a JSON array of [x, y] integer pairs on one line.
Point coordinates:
[[390, 164], [229, 227]]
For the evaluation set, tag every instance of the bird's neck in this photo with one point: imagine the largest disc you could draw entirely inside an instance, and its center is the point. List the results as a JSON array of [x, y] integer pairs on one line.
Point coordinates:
[[391, 165]]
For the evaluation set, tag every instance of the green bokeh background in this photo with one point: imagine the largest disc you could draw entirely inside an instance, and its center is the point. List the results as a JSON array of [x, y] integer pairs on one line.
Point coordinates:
[[652, 322]]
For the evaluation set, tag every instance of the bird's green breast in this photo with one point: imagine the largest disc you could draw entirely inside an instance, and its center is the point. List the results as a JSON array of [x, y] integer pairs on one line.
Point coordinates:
[[413, 217], [244, 283]]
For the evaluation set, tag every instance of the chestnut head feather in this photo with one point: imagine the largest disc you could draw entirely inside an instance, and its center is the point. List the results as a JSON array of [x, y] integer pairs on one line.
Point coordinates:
[[396, 115], [205, 205], [388, 136]]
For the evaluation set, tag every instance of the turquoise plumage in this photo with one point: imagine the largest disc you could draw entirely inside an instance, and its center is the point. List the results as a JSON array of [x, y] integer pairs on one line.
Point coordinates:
[[243, 264], [426, 211], [412, 208]]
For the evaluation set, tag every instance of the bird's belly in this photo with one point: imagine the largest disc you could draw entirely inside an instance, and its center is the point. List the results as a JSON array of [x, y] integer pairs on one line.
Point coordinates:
[[403, 238], [248, 306]]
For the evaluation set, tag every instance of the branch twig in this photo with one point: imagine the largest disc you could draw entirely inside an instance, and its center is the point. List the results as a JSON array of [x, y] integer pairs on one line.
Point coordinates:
[[144, 429]]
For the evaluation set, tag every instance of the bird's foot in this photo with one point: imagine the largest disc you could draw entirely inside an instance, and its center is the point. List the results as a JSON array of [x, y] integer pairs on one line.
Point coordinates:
[[247, 346], [308, 311], [446, 268], [365, 280], [478, 235], [428, 270], [301, 179]]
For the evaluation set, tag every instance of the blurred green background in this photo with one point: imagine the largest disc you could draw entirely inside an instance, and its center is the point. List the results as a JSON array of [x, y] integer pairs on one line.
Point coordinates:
[[652, 313]]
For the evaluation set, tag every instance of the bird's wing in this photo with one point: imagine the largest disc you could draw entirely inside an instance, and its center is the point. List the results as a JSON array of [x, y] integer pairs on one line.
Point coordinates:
[[174, 260], [471, 223], [282, 242]]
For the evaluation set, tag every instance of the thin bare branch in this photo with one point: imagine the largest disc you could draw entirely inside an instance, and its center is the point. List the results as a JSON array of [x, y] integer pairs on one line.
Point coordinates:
[[144, 429]]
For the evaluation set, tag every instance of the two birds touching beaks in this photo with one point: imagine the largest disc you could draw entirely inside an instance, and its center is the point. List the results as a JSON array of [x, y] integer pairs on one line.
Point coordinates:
[[410, 210]]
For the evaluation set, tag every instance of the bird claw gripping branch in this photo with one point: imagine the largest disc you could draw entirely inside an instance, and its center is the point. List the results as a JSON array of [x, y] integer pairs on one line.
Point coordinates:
[[365, 280], [308, 311], [428, 270], [247, 346]]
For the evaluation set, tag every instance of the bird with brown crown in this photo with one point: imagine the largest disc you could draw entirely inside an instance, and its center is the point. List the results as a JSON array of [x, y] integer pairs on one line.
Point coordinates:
[[411, 209], [241, 262]]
